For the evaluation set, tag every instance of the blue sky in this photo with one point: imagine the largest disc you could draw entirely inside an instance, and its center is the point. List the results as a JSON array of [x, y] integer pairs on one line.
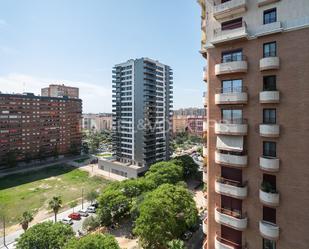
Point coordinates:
[[77, 42]]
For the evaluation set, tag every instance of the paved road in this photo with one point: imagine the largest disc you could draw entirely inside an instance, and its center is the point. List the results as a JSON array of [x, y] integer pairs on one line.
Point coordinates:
[[77, 225]]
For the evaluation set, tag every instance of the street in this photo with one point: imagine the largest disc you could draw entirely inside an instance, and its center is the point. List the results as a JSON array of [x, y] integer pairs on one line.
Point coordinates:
[[77, 225]]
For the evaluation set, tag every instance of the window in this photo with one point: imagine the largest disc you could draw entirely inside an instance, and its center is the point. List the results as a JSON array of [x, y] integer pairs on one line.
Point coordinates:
[[231, 115], [232, 56], [233, 24], [269, 83], [269, 244], [270, 16], [270, 49], [269, 116], [269, 214], [269, 149], [229, 86]]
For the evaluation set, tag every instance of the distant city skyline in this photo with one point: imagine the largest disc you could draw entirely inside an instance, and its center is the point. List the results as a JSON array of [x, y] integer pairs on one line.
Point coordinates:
[[76, 43]]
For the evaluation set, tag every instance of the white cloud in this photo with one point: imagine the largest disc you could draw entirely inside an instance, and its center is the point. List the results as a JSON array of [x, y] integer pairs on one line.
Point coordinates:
[[95, 98]]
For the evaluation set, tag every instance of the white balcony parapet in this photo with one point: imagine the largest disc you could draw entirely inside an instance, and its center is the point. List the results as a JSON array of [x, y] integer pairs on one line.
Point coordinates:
[[265, 2], [231, 98], [269, 230], [269, 164], [228, 188], [205, 177], [270, 28], [205, 153], [240, 161], [269, 199], [269, 97], [222, 36], [205, 125], [229, 128], [269, 130], [205, 226], [231, 219], [269, 63], [222, 244], [229, 8], [231, 67]]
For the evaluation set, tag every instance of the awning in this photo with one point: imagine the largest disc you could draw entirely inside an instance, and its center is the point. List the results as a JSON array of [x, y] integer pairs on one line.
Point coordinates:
[[230, 143]]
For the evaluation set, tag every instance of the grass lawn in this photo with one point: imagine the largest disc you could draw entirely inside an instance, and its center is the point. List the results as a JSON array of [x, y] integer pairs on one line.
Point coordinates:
[[32, 191]]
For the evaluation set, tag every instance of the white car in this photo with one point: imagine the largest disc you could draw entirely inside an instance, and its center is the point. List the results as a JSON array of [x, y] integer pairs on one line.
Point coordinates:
[[91, 209], [83, 212], [67, 221]]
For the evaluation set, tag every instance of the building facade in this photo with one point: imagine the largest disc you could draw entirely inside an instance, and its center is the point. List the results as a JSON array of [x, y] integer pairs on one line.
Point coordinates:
[[142, 113], [34, 127], [257, 61], [60, 91], [191, 124], [97, 122]]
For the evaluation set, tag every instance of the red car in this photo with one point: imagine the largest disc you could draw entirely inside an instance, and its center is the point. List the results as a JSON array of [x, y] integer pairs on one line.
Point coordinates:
[[75, 216]]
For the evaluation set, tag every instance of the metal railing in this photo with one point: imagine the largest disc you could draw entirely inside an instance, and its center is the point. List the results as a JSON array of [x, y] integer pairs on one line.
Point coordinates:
[[233, 121], [231, 182], [234, 89]]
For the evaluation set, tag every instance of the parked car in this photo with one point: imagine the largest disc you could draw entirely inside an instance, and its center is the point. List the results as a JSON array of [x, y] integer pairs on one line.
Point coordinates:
[[67, 221], [75, 216], [187, 235], [91, 209], [83, 212]]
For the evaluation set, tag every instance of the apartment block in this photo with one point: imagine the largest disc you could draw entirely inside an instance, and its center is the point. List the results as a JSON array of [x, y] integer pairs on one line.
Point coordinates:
[[256, 73], [142, 114], [191, 124], [97, 122], [60, 91], [33, 127]]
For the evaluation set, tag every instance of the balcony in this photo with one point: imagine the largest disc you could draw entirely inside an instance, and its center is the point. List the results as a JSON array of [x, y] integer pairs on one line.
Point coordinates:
[[269, 63], [205, 98], [231, 219], [229, 8], [205, 177], [233, 66], [239, 161], [221, 243], [205, 226], [269, 197], [231, 188], [232, 127], [270, 28], [231, 96], [205, 74], [265, 2], [269, 130], [269, 230], [223, 36], [205, 153], [269, 164], [269, 97]]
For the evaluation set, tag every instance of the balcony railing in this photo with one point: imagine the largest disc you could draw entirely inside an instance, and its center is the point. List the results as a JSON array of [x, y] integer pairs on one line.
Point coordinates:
[[222, 243], [222, 36], [229, 8], [231, 95], [269, 230], [231, 188], [237, 64], [227, 158], [232, 127]]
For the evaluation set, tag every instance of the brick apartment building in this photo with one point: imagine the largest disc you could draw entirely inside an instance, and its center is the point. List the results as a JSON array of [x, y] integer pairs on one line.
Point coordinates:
[[257, 71], [38, 126], [54, 90], [191, 124]]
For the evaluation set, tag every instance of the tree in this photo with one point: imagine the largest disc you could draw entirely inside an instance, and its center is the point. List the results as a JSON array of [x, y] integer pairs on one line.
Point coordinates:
[[92, 196], [45, 235], [164, 172], [190, 168], [85, 148], [176, 244], [55, 152], [24, 221], [91, 223], [94, 241], [11, 159], [55, 204], [165, 214], [73, 204]]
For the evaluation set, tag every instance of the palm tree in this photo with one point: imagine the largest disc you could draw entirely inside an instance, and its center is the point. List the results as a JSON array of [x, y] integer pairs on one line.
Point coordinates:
[[176, 244], [55, 204], [25, 219]]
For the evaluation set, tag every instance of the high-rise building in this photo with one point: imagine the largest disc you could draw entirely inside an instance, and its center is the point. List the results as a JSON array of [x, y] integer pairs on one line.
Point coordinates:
[[60, 91], [97, 122], [142, 113], [257, 175], [35, 126], [189, 112]]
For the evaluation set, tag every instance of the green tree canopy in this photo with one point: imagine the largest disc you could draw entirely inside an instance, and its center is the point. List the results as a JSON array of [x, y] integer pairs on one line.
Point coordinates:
[[46, 235], [26, 218], [176, 244], [92, 196], [164, 172], [55, 204], [190, 168], [165, 214], [94, 241]]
